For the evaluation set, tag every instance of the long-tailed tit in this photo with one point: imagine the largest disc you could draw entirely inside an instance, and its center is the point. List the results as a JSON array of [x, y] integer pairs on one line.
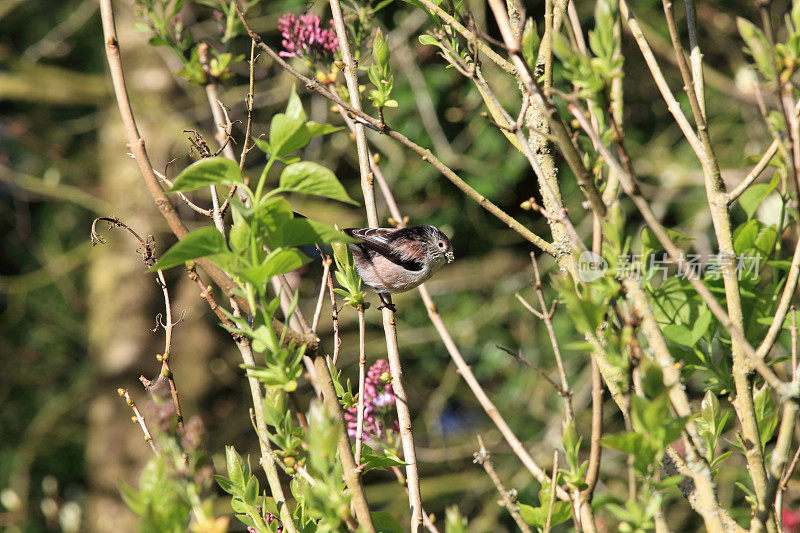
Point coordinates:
[[393, 260]]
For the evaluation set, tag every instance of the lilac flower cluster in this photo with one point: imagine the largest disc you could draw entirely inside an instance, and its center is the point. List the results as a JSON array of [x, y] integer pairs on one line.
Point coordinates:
[[269, 519], [303, 36], [378, 402]]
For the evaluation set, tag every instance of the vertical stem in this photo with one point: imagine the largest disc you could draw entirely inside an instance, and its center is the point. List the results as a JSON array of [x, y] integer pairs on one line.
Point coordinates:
[[267, 455], [351, 477], [695, 56], [362, 362], [392, 351]]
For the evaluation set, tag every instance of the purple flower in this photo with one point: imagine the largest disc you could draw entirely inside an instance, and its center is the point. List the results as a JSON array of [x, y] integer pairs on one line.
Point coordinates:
[[304, 37], [378, 403]]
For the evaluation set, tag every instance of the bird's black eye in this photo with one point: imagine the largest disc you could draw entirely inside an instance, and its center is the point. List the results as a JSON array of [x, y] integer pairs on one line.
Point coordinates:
[[441, 244]]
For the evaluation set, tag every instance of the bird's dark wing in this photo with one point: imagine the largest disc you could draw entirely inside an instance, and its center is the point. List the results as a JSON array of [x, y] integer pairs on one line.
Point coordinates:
[[398, 245]]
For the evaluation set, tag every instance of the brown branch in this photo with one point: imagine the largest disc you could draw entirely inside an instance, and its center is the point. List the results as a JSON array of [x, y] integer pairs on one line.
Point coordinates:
[[351, 476], [483, 458], [138, 418], [564, 393], [754, 173]]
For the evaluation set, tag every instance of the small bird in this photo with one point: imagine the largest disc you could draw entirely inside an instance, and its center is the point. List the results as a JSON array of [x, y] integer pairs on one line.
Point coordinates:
[[393, 260]]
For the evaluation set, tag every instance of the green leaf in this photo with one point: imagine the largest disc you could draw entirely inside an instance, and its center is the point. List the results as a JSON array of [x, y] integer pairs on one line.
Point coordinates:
[[312, 178], [287, 134], [624, 442], [234, 465], [317, 128], [530, 43], [428, 40], [678, 334], [299, 231], [250, 493], [294, 108], [753, 196], [227, 485], [374, 461], [385, 523], [380, 49], [276, 263], [239, 235], [757, 46], [209, 171], [133, 499], [533, 516], [199, 243], [701, 326]]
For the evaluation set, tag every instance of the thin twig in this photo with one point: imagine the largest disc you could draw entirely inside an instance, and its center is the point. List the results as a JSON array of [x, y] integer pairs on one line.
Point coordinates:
[[755, 172], [519, 357], [552, 501], [148, 255], [192, 205], [463, 368], [426, 519], [483, 458], [326, 269], [488, 406], [362, 363], [138, 418], [546, 318], [337, 340]]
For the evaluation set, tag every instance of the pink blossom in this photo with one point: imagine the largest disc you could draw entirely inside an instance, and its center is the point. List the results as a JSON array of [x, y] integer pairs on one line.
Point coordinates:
[[791, 520], [304, 37], [378, 402]]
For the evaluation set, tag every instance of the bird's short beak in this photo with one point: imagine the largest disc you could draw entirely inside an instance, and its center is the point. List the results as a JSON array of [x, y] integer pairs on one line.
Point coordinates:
[[450, 257]]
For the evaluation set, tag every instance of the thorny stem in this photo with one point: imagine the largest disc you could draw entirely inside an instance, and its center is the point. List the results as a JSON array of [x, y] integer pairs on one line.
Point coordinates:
[[138, 418], [392, 351], [483, 458]]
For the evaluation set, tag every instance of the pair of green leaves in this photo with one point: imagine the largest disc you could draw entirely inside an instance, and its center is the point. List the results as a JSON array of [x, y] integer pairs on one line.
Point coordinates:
[[290, 131]]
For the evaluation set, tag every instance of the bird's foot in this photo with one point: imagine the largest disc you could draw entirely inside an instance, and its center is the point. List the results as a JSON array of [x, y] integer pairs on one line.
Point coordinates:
[[386, 302]]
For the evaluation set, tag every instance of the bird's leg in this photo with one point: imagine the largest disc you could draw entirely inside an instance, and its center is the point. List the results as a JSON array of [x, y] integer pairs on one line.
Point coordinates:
[[386, 301]]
